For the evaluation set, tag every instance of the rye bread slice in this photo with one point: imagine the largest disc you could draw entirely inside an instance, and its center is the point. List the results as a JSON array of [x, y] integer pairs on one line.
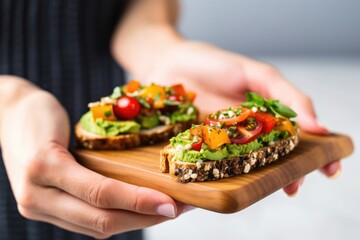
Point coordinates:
[[208, 170], [124, 141]]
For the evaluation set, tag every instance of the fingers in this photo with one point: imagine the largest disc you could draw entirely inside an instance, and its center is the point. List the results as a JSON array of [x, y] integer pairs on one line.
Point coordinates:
[[292, 189], [81, 214], [307, 118], [63, 172], [332, 170], [60, 223], [269, 82]]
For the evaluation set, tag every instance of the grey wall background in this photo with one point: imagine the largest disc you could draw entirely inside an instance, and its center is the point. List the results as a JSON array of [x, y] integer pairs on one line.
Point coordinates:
[[276, 27]]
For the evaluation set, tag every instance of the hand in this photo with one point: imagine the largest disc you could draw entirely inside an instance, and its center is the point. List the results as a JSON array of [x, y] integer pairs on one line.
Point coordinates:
[[221, 79], [50, 186]]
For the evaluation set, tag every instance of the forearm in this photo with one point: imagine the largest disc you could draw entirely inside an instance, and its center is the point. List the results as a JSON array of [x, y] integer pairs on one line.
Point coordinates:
[[29, 116], [145, 33]]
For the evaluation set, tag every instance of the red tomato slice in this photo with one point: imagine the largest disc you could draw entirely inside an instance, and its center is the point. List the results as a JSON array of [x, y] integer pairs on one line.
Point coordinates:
[[247, 136], [179, 90], [267, 119], [210, 120], [197, 145]]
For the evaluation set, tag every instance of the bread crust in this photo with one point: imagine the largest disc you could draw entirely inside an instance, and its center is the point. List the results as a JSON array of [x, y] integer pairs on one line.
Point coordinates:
[[212, 170], [128, 140], [97, 142]]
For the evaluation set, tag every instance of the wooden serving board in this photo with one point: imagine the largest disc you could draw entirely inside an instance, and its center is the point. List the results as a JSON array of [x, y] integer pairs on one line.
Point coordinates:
[[140, 166]]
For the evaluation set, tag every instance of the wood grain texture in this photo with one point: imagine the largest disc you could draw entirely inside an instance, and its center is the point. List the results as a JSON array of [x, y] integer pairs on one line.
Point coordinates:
[[140, 166]]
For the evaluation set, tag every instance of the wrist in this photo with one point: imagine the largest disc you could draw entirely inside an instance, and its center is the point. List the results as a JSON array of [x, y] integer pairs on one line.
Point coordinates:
[[32, 120], [145, 49]]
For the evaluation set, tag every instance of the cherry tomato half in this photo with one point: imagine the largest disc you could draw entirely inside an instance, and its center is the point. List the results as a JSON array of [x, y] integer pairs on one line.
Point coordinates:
[[212, 121], [126, 107], [245, 135]]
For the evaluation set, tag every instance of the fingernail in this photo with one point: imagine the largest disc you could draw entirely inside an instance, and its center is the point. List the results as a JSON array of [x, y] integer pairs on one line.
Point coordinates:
[[336, 174], [293, 194], [166, 210]]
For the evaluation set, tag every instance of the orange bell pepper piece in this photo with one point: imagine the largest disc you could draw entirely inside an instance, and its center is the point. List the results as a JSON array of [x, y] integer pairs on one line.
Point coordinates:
[[132, 86], [156, 93], [190, 96], [214, 137], [104, 112], [284, 124]]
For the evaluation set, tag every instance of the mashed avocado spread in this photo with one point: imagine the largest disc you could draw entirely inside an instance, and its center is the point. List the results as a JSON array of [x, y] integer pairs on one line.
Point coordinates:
[[182, 142], [108, 128]]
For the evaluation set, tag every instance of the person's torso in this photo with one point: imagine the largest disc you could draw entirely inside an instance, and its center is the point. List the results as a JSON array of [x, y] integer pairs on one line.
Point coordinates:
[[63, 47]]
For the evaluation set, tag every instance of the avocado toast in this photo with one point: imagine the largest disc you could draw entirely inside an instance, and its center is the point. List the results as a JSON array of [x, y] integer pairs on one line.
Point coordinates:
[[232, 141], [135, 115]]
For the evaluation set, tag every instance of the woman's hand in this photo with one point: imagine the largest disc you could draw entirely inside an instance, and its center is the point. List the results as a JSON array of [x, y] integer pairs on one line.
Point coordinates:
[[50, 186], [147, 45], [221, 79]]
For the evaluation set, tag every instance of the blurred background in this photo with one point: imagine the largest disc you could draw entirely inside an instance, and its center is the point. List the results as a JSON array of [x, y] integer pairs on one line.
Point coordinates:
[[316, 45]]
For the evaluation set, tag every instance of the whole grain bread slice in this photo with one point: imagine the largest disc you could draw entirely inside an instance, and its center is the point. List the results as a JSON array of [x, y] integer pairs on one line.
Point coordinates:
[[208, 170], [96, 142], [128, 140]]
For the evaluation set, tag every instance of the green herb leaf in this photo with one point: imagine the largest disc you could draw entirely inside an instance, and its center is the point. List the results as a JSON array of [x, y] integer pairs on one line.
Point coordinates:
[[248, 105], [157, 97], [143, 102], [171, 103], [283, 110], [116, 93], [255, 98], [107, 113]]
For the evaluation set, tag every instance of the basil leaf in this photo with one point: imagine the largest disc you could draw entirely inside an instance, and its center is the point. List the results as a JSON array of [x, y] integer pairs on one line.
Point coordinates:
[[270, 102], [283, 110], [255, 98]]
